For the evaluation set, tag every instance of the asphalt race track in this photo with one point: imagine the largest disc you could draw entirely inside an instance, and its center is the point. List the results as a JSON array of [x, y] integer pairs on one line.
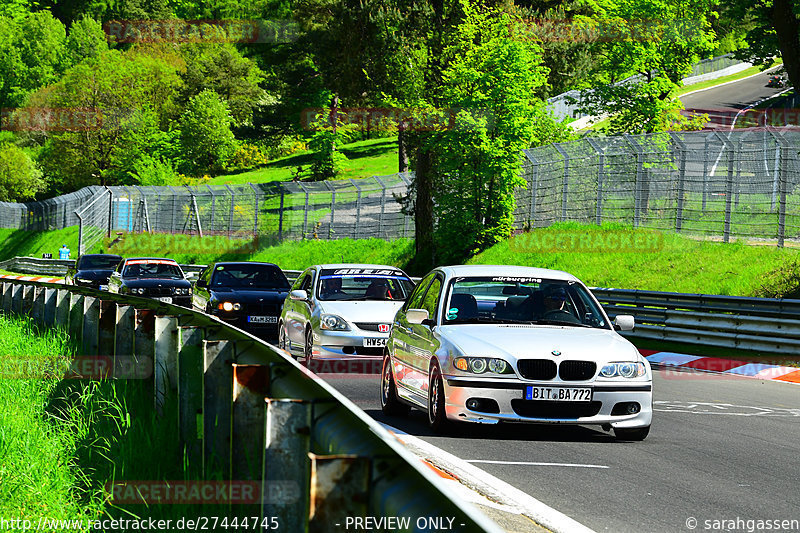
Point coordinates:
[[721, 447]]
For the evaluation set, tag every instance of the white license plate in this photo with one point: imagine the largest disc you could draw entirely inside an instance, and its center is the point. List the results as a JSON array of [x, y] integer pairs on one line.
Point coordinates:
[[559, 394], [371, 342], [165, 299], [263, 319]]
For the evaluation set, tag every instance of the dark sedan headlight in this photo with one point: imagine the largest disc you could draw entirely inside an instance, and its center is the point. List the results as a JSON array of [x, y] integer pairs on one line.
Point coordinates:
[[479, 365], [333, 322], [181, 291], [229, 306], [138, 290], [623, 370]]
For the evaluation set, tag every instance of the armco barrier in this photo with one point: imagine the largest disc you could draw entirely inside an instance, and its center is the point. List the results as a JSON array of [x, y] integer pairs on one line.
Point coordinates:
[[758, 324], [248, 411]]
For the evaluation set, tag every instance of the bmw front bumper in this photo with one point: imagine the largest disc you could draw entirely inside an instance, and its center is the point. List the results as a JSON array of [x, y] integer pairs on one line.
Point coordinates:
[[504, 401]]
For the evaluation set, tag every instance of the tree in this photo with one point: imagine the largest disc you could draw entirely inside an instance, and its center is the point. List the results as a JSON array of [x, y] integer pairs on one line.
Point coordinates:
[[221, 68], [488, 86], [776, 32], [657, 41], [206, 136], [86, 40], [20, 180]]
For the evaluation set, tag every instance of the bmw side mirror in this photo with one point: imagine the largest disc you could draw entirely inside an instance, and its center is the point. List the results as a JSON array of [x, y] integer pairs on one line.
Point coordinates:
[[298, 295], [417, 316], [624, 323]]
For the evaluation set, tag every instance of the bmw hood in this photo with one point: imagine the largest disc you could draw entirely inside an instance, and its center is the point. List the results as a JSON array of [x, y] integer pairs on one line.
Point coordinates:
[[512, 342], [93, 274], [246, 296], [363, 311], [156, 282]]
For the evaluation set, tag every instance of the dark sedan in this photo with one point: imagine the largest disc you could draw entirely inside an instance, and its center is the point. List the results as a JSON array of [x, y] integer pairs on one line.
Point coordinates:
[[92, 270], [152, 277], [248, 295]]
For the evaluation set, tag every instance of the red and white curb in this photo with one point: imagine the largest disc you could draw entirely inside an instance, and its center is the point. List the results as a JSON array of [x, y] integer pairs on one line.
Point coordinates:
[[731, 367], [470, 483], [32, 278]]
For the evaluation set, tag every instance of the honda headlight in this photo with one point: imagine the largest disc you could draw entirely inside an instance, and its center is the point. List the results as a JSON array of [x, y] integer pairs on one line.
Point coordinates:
[[333, 322], [623, 370]]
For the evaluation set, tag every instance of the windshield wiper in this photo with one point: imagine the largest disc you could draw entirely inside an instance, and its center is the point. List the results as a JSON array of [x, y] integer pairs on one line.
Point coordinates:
[[549, 321], [488, 320]]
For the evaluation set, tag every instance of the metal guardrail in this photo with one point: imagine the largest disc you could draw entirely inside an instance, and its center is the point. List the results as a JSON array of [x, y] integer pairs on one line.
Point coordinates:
[[757, 324], [248, 411]]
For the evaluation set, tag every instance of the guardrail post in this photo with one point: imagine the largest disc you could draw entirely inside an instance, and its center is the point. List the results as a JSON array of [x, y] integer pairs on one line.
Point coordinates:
[[190, 390], [124, 327], [49, 311], [250, 388], [27, 300], [217, 397], [91, 317], [75, 317], [339, 489], [63, 298], [165, 360], [38, 305], [107, 334], [8, 289], [286, 447]]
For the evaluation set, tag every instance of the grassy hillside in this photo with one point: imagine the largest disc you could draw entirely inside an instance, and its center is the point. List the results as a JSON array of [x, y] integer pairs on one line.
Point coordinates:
[[375, 157], [33, 244]]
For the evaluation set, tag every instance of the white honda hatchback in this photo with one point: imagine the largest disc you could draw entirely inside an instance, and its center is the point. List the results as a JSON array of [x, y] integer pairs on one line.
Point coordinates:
[[489, 344]]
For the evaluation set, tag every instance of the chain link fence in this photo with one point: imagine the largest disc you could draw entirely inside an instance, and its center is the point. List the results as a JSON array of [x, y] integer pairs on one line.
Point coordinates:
[[741, 183]]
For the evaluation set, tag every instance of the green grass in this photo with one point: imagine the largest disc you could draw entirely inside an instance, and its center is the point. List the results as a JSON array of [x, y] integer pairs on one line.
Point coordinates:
[[678, 264], [21, 243], [38, 474], [374, 157]]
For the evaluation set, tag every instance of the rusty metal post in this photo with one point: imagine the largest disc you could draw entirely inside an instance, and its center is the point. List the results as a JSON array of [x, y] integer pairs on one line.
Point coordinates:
[[217, 406], [250, 388], [165, 365], [190, 391], [286, 466], [91, 325], [339, 489]]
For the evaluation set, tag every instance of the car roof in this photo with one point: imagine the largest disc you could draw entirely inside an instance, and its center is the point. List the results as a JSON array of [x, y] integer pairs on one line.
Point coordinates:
[[357, 265], [506, 270], [101, 255], [245, 263]]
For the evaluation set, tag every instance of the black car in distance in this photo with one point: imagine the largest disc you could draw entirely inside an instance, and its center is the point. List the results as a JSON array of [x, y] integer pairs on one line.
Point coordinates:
[[92, 270], [246, 294], [152, 277]]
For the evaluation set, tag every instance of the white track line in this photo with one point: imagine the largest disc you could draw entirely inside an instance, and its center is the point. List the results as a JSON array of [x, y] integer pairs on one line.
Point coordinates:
[[529, 463], [491, 487]]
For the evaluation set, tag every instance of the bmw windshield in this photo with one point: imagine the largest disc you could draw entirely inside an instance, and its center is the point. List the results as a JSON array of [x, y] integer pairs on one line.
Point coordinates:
[[350, 284], [252, 276], [521, 300], [152, 269]]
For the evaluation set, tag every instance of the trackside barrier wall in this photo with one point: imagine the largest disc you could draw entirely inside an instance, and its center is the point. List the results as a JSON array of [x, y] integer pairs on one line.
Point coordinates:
[[757, 324], [248, 411]]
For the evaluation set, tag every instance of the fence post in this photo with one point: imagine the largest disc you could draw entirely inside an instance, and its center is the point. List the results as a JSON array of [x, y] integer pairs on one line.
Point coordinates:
[[38, 305], [107, 332], [190, 390], [533, 187], [728, 146], [601, 172], [783, 178], [305, 210], [165, 359], [565, 184], [213, 207], [705, 171], [339, 489], [681, 179], [358, 209], [383, 207], [217, 395], [250, 388], [50, 305], [75, 317], [333, 208], [110, 211], [280, 216], [637, 187], [407, 183], [255, 209]]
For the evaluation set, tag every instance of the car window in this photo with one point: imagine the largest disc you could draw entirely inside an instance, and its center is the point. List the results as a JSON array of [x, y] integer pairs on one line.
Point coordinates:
[[95, 262], [307, 282], [416, 297], [364, 284], [249, 276], [431, 300], [299, 281], [156, 268]]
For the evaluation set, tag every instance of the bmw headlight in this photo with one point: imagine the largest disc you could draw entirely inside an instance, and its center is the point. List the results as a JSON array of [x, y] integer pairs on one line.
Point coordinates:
[[623, 370], [139, 290], [479, 365], [229, 306], [182, 291], [333, 322]]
